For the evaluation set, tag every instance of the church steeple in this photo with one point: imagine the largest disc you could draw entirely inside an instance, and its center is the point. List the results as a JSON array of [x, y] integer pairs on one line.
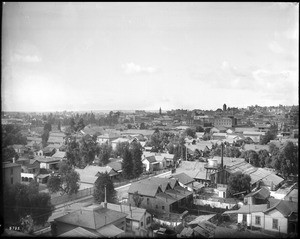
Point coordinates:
[[159, 110]]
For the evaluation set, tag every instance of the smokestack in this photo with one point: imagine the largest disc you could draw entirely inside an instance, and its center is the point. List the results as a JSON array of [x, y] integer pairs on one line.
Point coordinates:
[[105, 202], [222, 146]]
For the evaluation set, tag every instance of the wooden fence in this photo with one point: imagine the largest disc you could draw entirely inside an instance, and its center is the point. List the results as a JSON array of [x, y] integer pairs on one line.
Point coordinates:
[[66, 198]]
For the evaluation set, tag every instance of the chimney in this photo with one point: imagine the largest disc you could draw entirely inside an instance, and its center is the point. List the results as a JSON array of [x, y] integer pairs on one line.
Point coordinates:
[[14, 160], [222, 145], [105, 202], [130, 210]]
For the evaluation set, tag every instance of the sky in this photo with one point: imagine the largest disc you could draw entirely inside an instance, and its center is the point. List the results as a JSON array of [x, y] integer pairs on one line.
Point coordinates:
[[143, 56]]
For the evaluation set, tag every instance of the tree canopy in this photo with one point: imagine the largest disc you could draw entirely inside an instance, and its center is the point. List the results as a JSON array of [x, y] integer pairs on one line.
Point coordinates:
[[22, 201], [238, 182], [66, 182], [99, 193]]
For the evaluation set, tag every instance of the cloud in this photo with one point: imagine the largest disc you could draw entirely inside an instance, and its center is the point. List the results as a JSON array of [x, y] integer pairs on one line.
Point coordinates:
[[275, 47], [274, 85], [132, 68], [26, 58]]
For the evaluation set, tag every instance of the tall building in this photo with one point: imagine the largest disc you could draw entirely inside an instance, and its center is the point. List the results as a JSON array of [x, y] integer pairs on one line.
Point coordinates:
[[224, 107]]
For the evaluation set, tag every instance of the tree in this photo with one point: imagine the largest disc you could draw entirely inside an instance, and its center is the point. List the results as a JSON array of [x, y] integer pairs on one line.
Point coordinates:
[[99, 193], [24, 206], [190, 132], [9, 153], [105, 151], [72, 124], [142, 125], [73, 153], [59, 126], [47, 127], [199, 128], [238, 182], [66, 182], [251, 156], [127, 165], [264, 158], [120, 148], [269, 135], [11, 134], [136, 155], [45, 137], [137, 199], [87, 149], [80, 125]]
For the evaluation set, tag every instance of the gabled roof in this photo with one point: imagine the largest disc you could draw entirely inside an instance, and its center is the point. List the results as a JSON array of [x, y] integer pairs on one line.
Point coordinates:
[[247, 209], [80, 232], [92, 217], [117, 166], [183, 178], [59, 154], [135, 213], [110, 231], [262, 193], [144, 188], [151, 159], [256, 147], [284, 207]]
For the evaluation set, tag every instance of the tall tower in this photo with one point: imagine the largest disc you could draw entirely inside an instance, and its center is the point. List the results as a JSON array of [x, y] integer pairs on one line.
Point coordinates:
[[160, 111], [224, 107]]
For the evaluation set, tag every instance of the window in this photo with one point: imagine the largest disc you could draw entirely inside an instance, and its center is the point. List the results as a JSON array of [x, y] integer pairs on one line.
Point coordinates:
[[163, 207], [148, 220], [244, 217], [142, 224], [275, 224], [257, 220], [148, 201]]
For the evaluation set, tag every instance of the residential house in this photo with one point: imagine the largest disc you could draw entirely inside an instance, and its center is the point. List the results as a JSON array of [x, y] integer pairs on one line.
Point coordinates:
[[50, 163], [276, 217], [184, 180], [169, 159], [116, 166], [160, 195], [259, 196], [255, 147], [258, 175], [284, 190], [254, 135], [161, 160], [96, 219], [150, 164], [138, 220], [198, 149], [30, 168], [59, 154], [11, 173], [20, 149], [107, 137], [49, 151], [282, 217], [115, 142], [90, 174]]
